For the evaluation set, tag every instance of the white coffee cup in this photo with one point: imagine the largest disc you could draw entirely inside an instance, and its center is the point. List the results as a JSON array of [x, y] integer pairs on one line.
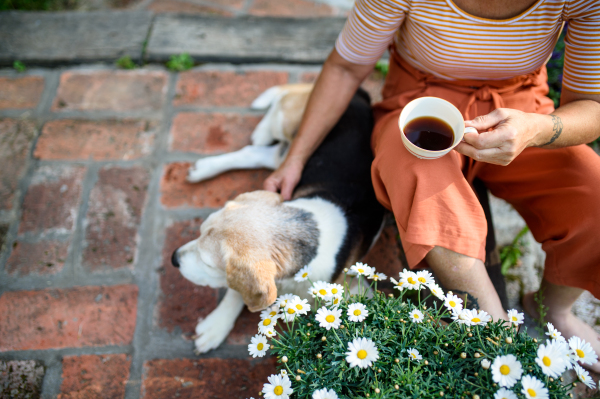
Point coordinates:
[[436, 108]]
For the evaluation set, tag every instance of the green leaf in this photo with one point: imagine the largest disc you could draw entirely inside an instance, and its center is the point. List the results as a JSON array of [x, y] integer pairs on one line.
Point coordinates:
[[180, 62]]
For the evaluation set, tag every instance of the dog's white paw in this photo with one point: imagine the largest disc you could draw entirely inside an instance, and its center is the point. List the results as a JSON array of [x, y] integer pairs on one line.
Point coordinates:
[[203, 169], [211, 332]]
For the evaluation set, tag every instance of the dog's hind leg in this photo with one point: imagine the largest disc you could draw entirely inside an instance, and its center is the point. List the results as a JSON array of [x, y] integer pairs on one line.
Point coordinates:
[[213, 330], [249, 157]]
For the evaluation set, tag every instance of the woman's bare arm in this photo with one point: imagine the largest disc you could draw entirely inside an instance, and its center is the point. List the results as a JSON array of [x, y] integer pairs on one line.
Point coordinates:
[[335, 87]]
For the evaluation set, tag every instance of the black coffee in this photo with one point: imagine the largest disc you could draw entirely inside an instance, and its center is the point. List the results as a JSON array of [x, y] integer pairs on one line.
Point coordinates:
[[429, 133]]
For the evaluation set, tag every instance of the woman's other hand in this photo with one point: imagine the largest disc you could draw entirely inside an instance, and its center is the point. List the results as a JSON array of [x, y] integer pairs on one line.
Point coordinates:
[[285, 178]]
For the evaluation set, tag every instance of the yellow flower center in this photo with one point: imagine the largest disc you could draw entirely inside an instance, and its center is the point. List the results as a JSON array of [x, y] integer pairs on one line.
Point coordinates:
[[504, 369], [361, 354], [580, 353], [304, 275], [356, 312], [334, 291], [322, 292], [411, 280], [582, 377], [336, 301], [291, 311], [278, 390], [361, 270], [416, 315], [546, 360], [531, 393], [260, 346], [330, 318], [422, 279], [299, 307], [266, 322], [514, 318], [452, 303], [273, 313], [475, 320], [413, 355]]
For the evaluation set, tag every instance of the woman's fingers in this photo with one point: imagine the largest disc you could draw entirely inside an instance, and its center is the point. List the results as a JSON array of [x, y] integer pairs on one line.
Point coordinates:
[[484, 122], [494, 156], [272, 183]]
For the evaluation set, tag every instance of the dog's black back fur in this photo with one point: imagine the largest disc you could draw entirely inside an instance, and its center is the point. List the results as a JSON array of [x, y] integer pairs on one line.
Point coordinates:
[[340, 171]]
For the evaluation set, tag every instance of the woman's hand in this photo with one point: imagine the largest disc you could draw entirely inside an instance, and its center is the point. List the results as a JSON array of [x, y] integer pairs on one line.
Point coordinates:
[[504, 133], [285, 178]]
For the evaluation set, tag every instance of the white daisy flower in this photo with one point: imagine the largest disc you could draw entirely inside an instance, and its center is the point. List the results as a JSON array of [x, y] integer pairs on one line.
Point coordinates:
[[362, 352], [453, 303], [333, 301], [410, 280], [283, 299], [329, 318], [437, 291], [258, 346], [413, 354], [362, 269], [425, 278], [300, 306], [283, 373], [289, 313], [485, 364], [357, 312], [475, 317], [270, 333], [515, 317], [324, 394], [303, 274], [318, 289], [584, 376], [271, 312], [279, 387], [399, 285], [335, 289], [506, 370], [551, 359], [416, 316], [267, 324], [583, 350], [504, 393], [554, 333], [379, 276], [533, 388]]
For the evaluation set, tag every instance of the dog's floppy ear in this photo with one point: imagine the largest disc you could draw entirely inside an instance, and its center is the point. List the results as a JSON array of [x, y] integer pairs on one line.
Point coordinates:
[[255, 281]]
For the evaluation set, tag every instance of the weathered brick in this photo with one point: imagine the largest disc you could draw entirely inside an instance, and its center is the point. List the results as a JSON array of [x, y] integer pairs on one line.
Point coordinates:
[[23, 92], [111, 90], [213, 193], [21, 379], [44, 257], [97, 140], [372, 84], [16, 137], [210, 133], [205, 378], [113, 218], [94, 377], [246, 326], [62, 318], [185, 7], [181, 302], [52, 200], [222, 89], [291, 8]]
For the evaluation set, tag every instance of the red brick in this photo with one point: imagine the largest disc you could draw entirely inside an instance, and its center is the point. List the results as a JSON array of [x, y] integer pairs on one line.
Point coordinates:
[[386, 255], [205, 378], [213, 193], [96, 140], [63, 318], [185, 7], [52, 200], [211, 133], [235, 4], [222, 89], [182, 303], [42, 258], [94, 377], [291, 8], [18, 93], [246, 326], [16, 137], [111, 90], [113, 218], [373, 84]]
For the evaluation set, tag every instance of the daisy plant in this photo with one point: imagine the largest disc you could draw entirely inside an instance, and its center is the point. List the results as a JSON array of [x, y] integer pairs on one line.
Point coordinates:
[[363, 343]]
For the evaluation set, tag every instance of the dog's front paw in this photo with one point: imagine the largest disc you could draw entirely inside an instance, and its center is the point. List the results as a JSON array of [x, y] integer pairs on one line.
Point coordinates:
[[210, 333], [203, 169]]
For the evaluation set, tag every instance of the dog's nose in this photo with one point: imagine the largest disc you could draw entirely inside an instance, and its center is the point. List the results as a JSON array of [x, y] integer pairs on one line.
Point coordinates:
[[174, 259]]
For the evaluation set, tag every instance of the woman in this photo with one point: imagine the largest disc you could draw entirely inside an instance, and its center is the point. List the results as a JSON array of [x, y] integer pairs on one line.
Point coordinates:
[[486, 57]]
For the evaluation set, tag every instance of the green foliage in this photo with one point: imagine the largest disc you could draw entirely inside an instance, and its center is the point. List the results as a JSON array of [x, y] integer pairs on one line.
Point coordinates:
[[125, 62], [19, 66], [38, 5], [388, 325], [382, 67], [180, 62], [542, 309], [510, 254]]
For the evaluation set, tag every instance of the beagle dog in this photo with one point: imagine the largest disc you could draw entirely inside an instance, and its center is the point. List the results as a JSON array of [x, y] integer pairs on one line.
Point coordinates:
[[256, 243]]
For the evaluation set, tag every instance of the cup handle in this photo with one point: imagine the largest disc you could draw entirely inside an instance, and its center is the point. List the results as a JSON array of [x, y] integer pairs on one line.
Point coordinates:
[[468, 130]]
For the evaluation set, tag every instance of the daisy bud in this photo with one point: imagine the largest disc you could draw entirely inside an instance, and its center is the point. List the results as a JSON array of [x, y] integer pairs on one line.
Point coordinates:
[[397, 360], [323, 338], [379, 370], [377, 390], [308, 324], [570, 395], [402, 320], [469, 335], [426, 363], [345, 270], [475, 396], [435, 352], [319, 356], [551, 379], [342, 327], [446, 345], [439, 373], [385, 318], [468, 329], [441, 393], [535, 340], [298, 378], [477, 355], [508, 340], [398, 311], [367, 395], [463, 355], [284, 359], [476, 374], [562, 379], [396, 386], [308, 334], [574, 384], [485, 364], [391, 295]]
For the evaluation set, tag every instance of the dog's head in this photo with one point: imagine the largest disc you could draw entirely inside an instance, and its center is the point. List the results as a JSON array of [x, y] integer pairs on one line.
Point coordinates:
[[235, 249]]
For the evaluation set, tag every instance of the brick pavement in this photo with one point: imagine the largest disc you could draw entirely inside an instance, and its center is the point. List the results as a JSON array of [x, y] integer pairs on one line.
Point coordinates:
[[92, 203]]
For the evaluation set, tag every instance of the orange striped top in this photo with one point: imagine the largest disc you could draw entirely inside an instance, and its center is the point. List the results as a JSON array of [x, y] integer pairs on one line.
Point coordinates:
[[436, 36]]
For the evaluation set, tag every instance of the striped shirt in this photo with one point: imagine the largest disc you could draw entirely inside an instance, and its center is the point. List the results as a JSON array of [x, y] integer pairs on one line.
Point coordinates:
[[436, 36]]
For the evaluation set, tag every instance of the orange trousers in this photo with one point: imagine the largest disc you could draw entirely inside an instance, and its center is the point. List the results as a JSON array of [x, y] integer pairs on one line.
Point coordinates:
[[556, 191]]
